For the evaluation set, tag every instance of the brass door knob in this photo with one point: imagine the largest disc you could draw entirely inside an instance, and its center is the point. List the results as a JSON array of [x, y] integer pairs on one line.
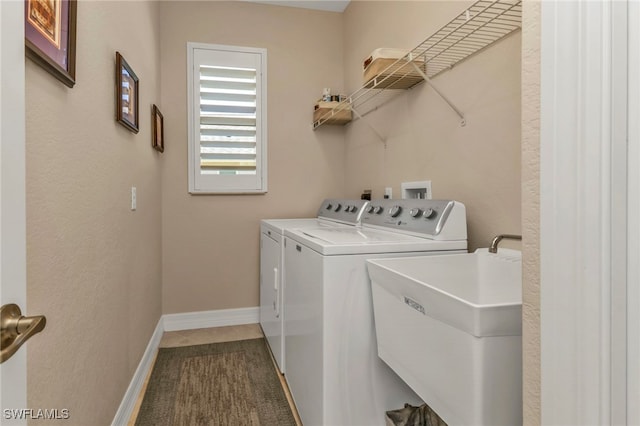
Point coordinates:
[[15, 329]]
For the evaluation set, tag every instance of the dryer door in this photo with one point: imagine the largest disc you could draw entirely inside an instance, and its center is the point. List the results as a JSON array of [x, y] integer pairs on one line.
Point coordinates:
[[271, 318]]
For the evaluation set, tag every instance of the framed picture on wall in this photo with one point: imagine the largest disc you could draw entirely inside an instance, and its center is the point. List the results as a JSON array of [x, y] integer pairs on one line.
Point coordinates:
[[158, 129], [127, 88], [50, 37]]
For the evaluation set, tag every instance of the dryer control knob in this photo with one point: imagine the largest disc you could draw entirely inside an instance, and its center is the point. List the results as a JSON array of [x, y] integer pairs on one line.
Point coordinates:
[[370, 209], [338, 207], [429, 214], [329, 206], [415, 212], [354, 209], [377, 209], [395, 211]]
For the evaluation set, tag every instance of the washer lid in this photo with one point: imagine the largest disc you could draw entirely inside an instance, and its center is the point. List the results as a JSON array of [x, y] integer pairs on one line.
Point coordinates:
[[354, 236], [351, 240], [279, 225]]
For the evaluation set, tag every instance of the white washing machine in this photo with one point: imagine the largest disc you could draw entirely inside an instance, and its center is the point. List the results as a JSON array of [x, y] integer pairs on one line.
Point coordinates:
[[333, 369], [331, 213]]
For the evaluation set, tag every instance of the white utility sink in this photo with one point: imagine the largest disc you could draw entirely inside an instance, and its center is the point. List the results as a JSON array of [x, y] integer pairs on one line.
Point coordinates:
[[479, 293], [450, 326]]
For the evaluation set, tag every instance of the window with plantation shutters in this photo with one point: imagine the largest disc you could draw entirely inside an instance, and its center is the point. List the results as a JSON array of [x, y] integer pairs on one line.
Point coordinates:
[[227, 119]]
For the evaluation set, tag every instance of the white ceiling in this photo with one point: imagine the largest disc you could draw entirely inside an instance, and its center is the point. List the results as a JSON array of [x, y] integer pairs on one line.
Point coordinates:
[[328, 5]]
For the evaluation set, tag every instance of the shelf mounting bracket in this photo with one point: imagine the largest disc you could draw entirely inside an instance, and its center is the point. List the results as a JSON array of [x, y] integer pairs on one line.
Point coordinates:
[[373, 129], [463, 121]]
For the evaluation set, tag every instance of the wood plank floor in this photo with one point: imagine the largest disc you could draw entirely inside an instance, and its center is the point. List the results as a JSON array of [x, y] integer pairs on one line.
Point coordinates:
[[203, 336]]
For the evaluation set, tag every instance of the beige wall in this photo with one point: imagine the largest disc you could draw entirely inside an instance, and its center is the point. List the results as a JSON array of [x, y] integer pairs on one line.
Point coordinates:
[[93, 265], [478, 164], [531, 211], [211, 242]]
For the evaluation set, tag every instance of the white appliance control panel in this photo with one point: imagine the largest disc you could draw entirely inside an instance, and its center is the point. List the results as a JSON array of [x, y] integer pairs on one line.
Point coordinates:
[[342, 210], [436, 219]]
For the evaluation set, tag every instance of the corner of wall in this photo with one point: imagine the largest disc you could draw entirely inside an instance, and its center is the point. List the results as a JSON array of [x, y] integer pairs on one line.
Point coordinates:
[[531, 212]]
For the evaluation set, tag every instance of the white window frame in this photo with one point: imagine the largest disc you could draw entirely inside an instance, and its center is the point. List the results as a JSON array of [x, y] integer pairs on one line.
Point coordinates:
[[225, 184]]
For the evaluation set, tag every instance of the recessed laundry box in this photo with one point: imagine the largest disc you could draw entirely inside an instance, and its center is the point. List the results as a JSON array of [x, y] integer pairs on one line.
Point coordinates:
[[450, 326]]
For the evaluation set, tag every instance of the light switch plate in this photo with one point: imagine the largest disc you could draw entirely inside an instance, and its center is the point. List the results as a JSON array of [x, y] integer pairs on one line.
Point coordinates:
[[134, 201]]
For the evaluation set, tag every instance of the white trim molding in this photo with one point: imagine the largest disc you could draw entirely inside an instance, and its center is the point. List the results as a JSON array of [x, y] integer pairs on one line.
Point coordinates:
[[633, 215], [206, 319], [583, 219], [176, 322], [13, 241], [137, 382]]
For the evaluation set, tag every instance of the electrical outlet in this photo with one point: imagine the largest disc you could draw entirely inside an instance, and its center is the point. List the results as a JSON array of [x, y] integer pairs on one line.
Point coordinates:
[[134, 198], [388, 192]]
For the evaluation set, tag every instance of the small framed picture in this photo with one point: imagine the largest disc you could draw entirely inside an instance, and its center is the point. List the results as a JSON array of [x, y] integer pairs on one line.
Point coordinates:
[[50, 37], [158, 129], [127, 88]]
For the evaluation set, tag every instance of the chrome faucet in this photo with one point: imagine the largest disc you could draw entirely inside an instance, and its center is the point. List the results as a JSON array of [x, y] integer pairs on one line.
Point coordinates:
[[494, 244]]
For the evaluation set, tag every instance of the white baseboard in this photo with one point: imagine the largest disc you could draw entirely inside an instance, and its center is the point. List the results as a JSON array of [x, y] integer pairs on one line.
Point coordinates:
[[146, 363], [176, 322], [206, 319]]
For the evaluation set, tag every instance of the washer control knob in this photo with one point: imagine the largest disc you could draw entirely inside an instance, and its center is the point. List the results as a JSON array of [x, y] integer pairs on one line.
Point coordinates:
[[429, 213], [415, 212], [377, 209], [354, 209], [370, 209], [329, 206], [338, 207], [395, 211]]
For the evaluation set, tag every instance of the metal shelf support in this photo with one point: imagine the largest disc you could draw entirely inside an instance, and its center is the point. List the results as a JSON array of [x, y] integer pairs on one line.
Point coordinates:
[[463, 122], [369, 125]]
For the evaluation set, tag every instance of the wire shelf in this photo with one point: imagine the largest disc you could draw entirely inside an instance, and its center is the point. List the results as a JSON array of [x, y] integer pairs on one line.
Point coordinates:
[[476, 28]]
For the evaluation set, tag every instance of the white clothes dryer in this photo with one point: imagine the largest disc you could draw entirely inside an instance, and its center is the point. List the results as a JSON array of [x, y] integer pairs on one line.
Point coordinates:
[[333, 370], [331, 213]]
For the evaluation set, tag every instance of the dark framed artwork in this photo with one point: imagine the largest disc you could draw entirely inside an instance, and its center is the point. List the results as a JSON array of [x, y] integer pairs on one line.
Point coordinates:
[[127, 88], [50, 36], [158, 129]]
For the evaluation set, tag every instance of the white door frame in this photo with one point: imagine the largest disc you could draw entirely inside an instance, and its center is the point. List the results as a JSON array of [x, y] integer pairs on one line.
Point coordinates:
[[13, 372], [585, 220], [633, 231]]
